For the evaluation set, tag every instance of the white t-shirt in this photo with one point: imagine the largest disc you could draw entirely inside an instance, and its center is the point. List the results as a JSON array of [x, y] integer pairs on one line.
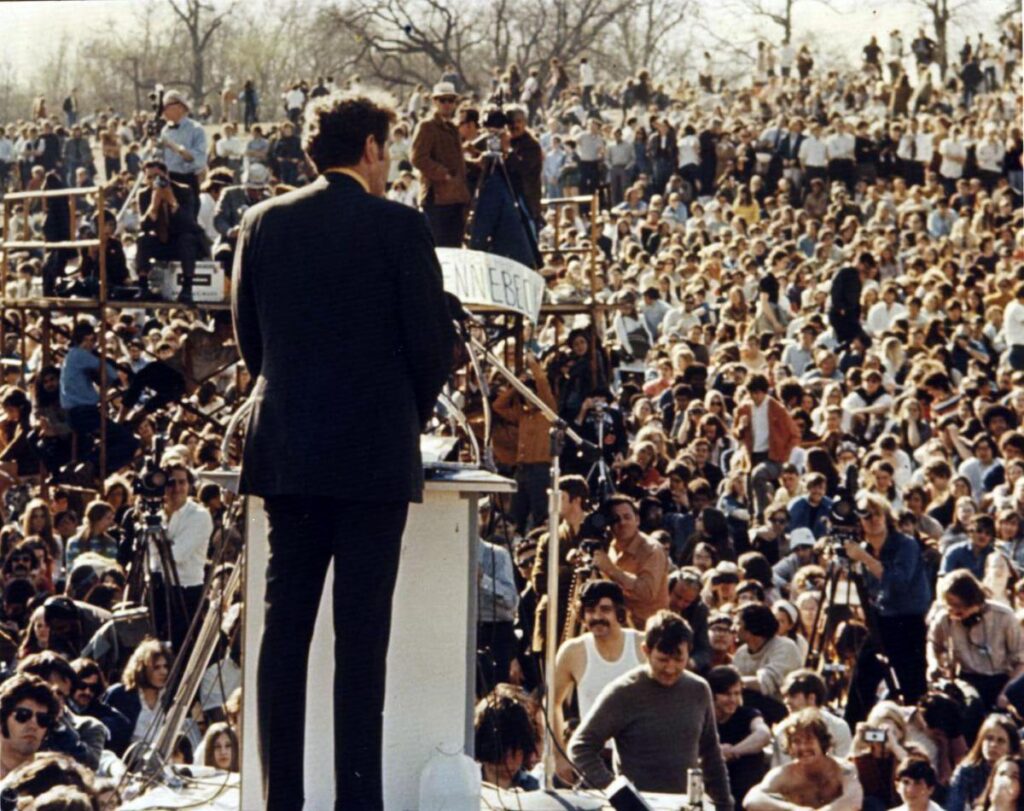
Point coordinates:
[[840, 146], [759, 424], [689, 150], [294, 99], [1013, 323], [951, 148], [812, 152]]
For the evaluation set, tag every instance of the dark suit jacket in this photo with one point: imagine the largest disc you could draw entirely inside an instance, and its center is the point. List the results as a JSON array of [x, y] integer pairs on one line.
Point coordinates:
[[126, 702], [340, 316]]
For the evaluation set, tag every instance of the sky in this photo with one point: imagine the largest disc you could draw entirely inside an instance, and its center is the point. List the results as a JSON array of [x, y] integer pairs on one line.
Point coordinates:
[[31, 28]]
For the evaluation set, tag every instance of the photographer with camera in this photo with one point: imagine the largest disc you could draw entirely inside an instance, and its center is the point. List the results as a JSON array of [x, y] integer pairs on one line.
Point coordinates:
[[183, 143], [634, 561], [189, 528], [975, 639], [899, 597], [170, 231]]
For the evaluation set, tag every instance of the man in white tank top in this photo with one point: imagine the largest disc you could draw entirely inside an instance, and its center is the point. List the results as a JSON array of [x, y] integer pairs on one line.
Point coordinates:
[[604, 652]]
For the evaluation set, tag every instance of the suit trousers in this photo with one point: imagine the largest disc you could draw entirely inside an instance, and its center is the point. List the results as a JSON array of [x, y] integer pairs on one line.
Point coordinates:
[[447, 223], [364, 540]]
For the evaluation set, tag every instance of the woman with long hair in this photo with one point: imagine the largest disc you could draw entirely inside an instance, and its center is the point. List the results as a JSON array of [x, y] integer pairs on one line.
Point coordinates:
[[94, 535], [997, 738], [220, 747], [1003, 789]]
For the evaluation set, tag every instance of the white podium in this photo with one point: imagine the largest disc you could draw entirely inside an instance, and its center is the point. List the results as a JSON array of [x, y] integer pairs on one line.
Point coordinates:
[[432, 654]]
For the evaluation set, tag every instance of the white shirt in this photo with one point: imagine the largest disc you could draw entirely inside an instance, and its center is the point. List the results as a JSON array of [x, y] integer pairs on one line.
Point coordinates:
[[589, 146], [586, 75], [759, 424], [147, 715], [232, 148], [840, 146], [951, 148], [990, 155], [599, 671], [881, 316], [294, 98], [786, 56], [189, 531], [6, 150], [812, 152], [207, 207], [925, 142], [1013, 323], [689, 150]]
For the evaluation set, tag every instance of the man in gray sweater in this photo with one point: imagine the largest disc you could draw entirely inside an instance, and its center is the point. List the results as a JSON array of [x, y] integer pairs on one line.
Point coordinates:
[[661, 718]]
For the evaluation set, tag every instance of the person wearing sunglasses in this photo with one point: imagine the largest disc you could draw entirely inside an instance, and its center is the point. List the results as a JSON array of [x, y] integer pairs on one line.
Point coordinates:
[[87, 699], [28, 709]]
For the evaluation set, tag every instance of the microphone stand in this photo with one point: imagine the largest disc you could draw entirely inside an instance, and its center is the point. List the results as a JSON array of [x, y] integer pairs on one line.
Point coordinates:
[[559, 431]]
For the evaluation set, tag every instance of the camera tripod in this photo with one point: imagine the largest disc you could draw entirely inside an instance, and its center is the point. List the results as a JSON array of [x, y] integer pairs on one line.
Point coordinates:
[[140, 586], [832, 606], [603, 478]]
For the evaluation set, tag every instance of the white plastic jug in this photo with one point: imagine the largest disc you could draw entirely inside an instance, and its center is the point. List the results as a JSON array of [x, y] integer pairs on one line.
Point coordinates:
[[450, 782]]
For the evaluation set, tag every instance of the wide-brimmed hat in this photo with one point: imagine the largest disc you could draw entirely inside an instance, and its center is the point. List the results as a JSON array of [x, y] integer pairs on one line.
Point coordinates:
[[257, 176], [176, 97], [444, 89]]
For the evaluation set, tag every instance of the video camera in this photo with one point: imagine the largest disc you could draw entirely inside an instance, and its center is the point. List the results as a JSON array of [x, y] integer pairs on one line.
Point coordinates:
[[151, 483], [844, 517], [156, 104]]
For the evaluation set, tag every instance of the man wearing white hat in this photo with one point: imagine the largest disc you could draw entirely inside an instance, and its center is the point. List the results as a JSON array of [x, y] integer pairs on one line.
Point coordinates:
[[184, 144], [437, 155], [233, 202]]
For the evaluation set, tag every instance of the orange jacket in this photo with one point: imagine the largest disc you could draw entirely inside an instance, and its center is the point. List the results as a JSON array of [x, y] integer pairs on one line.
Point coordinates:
[[533, 443], [783, 433]]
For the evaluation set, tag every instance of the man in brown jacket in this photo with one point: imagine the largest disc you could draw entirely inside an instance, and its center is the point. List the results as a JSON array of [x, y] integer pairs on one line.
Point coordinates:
[[437, 154], [533, 454], [769, 434]]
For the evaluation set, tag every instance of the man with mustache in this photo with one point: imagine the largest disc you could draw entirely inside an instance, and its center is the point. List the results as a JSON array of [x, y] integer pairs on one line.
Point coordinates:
[[606, 651]]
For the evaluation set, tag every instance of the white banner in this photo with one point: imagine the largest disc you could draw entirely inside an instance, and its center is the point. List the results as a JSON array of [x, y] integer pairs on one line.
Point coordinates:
[[491, 281]]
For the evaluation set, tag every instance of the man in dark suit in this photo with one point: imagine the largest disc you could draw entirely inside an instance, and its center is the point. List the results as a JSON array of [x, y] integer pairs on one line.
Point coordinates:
[[169, 228], [340, 315]]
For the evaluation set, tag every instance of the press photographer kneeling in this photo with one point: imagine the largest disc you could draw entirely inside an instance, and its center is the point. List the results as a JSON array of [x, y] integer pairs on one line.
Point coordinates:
[[169, 229]]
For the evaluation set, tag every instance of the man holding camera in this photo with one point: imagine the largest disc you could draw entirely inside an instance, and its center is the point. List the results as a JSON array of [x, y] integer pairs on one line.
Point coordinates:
[[900, 596], [638, 564], [169, 228], [189, 528], [184, 145]]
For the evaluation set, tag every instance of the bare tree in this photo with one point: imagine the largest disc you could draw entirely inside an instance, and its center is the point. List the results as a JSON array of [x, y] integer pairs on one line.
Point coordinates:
[[779, 12], [642, 37], [200, 22]]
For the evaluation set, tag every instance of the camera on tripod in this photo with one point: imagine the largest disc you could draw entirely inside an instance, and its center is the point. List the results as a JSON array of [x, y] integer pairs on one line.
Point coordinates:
[[844, 517], [156, 104], [151, 483]]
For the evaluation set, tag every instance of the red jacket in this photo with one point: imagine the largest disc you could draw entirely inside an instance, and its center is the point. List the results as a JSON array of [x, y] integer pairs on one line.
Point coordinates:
[[783, 433]]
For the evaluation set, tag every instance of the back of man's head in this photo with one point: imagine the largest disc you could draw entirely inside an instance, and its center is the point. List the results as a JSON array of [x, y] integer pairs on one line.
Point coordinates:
[[338, 124]]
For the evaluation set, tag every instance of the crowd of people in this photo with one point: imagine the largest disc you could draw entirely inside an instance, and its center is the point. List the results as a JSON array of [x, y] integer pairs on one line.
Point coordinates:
[[808, 273]]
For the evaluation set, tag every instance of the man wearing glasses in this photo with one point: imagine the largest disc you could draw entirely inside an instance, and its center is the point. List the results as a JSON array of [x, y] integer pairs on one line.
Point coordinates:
[[437, 154], [28, 708], [189, 527], [183, 142]]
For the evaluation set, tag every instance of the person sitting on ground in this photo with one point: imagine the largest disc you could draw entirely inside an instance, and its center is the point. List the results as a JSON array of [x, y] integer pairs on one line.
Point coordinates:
[[814, 779]]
